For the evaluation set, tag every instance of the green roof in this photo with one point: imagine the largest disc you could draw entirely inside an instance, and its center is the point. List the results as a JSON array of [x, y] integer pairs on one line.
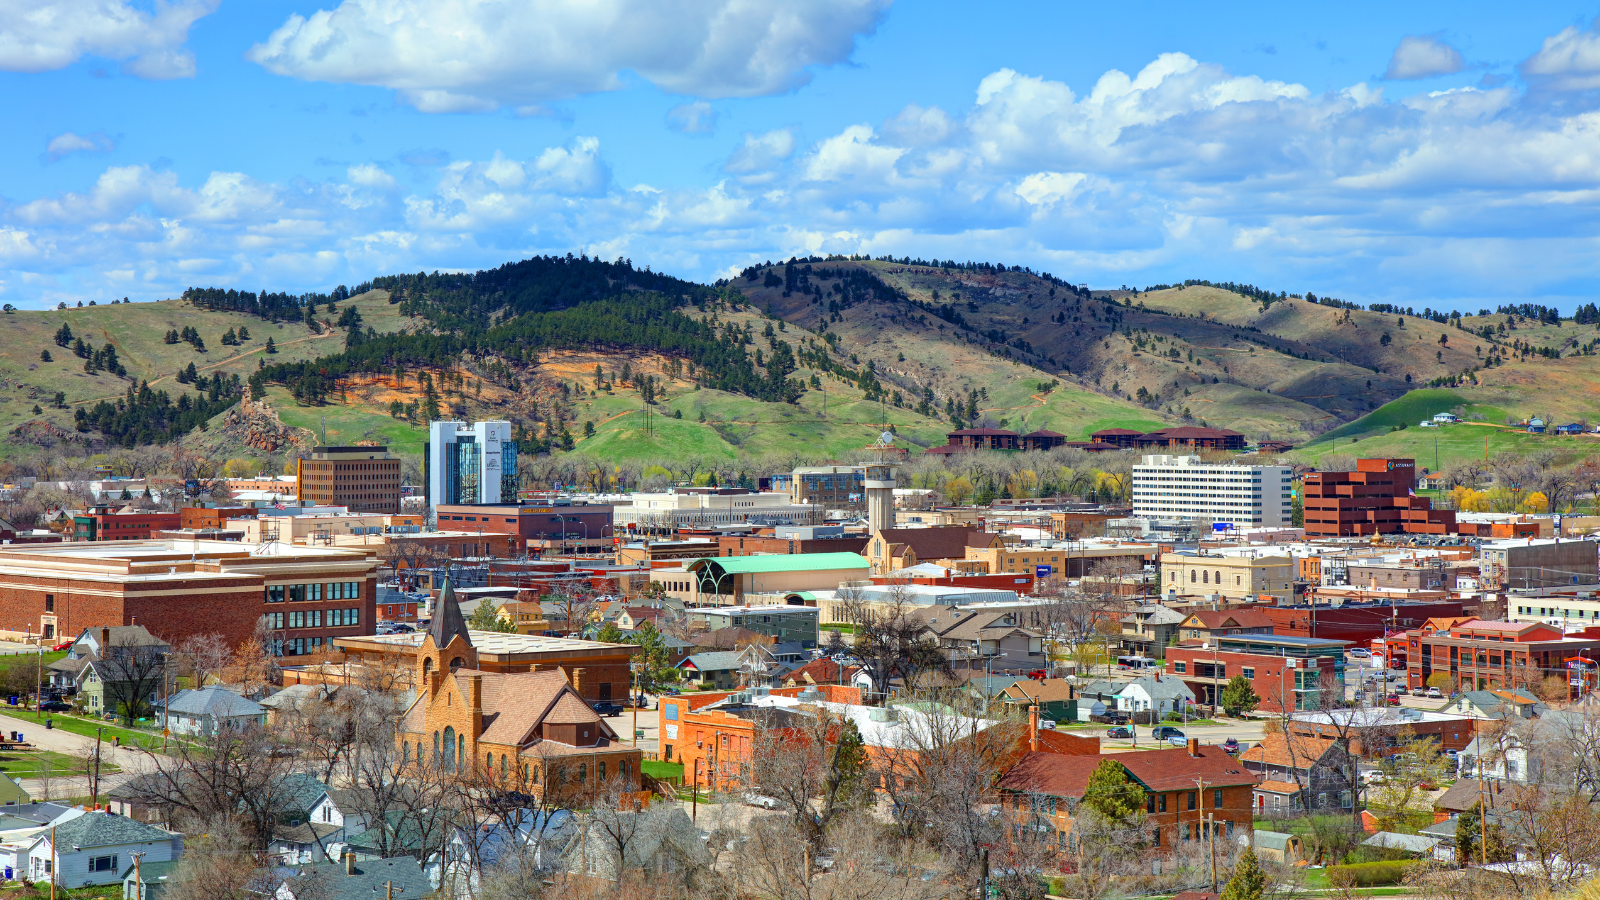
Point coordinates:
[[792, 562], [803, 595]]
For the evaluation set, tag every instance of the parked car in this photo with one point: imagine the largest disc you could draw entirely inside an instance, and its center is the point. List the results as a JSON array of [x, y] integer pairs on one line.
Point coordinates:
[[1373, 776], [1435, 694], [1176, 741], [1419, 692], [1166, 732], [55, 706], [1394, 699], [1231, 745], [1358, 653], [607, 708], [62, 646], [1119, 732], [753, 799]]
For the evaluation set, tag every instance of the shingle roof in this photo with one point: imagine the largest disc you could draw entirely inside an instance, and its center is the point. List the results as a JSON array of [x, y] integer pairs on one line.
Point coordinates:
[[515, 704], [938, 542], [1236, 618], [213, 701], [1274, 750], [331, 882], [716, 661], [103, 829], [301, 792], [447, 619], [1157, 770], [1162, 689]]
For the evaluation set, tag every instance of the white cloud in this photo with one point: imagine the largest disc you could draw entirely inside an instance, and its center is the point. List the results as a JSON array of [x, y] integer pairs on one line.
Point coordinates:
[[1567, 61], [44, 35], [1424, 56], [692, 118], [916, 126], [475, 55], [852, 155], [66, 144], [370, 176], [760, 152], [1042, 188]]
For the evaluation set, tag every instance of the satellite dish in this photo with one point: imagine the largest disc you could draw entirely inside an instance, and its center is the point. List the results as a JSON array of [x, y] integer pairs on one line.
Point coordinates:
[[886, 438]]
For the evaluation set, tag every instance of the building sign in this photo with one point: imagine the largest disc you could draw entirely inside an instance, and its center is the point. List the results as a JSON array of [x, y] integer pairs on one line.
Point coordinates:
[[1041, 571]]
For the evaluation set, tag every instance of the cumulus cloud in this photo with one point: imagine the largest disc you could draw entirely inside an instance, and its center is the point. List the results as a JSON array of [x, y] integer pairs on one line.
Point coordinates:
[[66, 144], [692, 118], [477, 55], [1181, 169], [43, 35], [1423, 56], [1567, 61], [760, 152]]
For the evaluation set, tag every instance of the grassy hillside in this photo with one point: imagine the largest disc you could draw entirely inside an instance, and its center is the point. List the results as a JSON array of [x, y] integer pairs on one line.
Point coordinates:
[[137, 331], [1434, 448]]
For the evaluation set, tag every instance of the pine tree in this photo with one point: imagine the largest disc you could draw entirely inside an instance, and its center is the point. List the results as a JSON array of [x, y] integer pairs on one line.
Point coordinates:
[[1248, 881], [1239, 697], [486, 617], [44, 356], [271, 347], [244, 334], [1111, 793]]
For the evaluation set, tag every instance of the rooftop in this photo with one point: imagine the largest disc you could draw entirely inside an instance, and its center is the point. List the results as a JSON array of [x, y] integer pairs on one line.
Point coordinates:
[[792, 562], [493, 643]]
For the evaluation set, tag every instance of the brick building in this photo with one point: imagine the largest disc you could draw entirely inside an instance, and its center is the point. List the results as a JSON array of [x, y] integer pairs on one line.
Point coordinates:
[[542, 529], [596, 670], [531, 731], [361, 479], [1374, 731], [1286, 672], [102, 523], [201, 517], [1191, 437], [1531, 563], [1374, 499], [1356, 620], [179, 588], [1482, 655], [1181, 787], [791, 539], [1235, 577]]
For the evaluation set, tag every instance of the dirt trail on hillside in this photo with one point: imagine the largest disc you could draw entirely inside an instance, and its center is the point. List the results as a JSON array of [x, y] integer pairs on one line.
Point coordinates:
[[206, 368], [1038, 405]]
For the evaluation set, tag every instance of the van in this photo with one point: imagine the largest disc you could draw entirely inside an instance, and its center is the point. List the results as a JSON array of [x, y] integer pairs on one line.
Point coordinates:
[[1166, 732]]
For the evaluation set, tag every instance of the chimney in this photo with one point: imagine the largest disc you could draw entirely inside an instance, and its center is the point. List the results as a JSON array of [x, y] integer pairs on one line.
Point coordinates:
[[1194, 747], [349, 862], [105, 640], [474, 692], [1033, 729], [577, 680]]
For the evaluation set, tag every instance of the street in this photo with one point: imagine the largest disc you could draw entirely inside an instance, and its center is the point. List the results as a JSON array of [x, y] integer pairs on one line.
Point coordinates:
[[131, 761]]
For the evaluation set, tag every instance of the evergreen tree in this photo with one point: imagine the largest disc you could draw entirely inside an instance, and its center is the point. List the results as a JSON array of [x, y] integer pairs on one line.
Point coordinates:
[[271, 347], [1111, 793], [657, 669], [588, 431], [486, 617], [1239, 697], [63, 335], [44, 356], [1248, 881], [609, 634], [244, 333]]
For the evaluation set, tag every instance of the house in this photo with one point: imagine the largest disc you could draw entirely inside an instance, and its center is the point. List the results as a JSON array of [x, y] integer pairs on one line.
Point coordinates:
[[147, 881], [1570, 428], [664, 840], [207, 710], [1412, 845], [21, 825], [1182, 786], [12, 793], [1467, 793], [1502, 752], [524, 837], [1209, 624], [1306, 773], [1445, 833], [297, 837], [530, 731], [1519, 703], [828, 671], [719, 667], [399, 877], [92, 849], [1055, 697], [1536, 425], [1150, 628], [1154, 694], [985, 639], [132, 673]]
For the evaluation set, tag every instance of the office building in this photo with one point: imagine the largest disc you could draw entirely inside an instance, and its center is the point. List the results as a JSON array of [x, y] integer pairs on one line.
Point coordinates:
[[1531, 563], [1234, 577], [540, 529], [1374, 499], [1288, 672], [1182, 487], [709, 508], [782, 623], [361, 479], [474, 463]]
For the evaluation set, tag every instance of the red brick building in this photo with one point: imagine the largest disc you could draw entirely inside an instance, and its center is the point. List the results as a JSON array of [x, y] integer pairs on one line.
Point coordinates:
[[1286, 672], [1190, 437], [1358, 623], [195, 518], [1182, 786], [101, 524], [1482, 655], [179, 588], [1374, 499], [765, 544]]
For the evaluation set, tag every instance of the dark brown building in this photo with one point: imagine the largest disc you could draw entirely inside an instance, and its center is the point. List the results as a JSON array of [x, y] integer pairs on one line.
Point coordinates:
[[542, 529], [766, 544], [1374, 499], [362, 479], [1192, 438], [199, 518]]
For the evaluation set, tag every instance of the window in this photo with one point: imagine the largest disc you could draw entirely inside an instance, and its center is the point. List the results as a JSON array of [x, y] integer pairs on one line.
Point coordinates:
[[103, 863], [1194, 797], [1163, 804], [1180, 667], [49, 602], [1248, 672], [1216, 799]]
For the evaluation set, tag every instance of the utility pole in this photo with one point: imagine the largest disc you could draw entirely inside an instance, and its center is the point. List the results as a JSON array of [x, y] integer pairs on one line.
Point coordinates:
[[1210, 825], [138, 882], [94, 784], [54, 857], [1483, 821]]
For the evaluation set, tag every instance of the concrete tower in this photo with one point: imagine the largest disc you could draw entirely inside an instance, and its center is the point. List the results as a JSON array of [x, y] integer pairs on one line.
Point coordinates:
[[880, 491]]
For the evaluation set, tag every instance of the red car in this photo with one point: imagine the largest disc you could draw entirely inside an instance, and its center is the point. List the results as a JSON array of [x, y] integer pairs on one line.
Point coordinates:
[[1394, 699], [65, 646]]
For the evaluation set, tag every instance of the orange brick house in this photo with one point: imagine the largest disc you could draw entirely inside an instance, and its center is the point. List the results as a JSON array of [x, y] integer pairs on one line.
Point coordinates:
[[529, 731], [1181, 786]]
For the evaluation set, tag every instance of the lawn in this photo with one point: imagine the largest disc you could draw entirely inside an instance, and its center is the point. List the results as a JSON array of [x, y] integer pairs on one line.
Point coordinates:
[[344, 425], [655, 768], [1439, 447], [26, 765], [84, 726]]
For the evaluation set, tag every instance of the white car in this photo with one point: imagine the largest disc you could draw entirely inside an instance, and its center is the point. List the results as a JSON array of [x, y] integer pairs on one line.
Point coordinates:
[[1373, 776], [753, 799], [1359, 654]]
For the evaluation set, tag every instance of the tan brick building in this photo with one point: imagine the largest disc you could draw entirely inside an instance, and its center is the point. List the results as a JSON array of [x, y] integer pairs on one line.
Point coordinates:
[[529, 731]]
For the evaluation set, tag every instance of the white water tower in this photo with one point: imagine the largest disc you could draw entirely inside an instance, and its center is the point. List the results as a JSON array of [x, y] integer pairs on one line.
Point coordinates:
[[880, 490]]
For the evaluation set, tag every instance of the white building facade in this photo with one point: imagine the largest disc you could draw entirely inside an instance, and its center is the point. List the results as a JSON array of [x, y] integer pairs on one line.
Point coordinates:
[[1183, 487], [474, 463]]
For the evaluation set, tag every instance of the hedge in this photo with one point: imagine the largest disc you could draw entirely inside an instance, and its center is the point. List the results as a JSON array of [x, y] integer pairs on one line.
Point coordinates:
[[1370, 873]]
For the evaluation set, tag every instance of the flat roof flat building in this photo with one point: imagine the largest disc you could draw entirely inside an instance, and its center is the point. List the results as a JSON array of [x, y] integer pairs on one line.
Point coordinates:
[[1182, 487], [474, 463], [361, 479]]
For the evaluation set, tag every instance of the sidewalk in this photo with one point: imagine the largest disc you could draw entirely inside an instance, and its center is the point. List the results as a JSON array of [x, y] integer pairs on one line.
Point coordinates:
[[131, 761]]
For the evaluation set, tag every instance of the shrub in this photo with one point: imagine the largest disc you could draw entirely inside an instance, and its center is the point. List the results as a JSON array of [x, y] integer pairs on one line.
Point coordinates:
[[1369, 873]]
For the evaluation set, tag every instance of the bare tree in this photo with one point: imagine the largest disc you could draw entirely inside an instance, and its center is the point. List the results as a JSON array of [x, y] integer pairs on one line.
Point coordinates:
[[231, 774], [202, 657], [131, 674]]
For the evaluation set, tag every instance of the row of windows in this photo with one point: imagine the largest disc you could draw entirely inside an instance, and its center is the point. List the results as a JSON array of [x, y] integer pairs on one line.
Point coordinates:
[[298, 646], [314, 618], [296, 593]]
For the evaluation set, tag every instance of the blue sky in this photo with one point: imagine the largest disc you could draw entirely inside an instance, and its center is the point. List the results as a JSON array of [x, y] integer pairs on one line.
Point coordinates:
[[1429, 154]]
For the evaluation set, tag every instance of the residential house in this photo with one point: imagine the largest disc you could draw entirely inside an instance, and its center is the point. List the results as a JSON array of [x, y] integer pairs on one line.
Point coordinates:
[[1467, 793], [399, 877], [298, 838], [530, 731], [1519, 703], [12, 793], [1149, 629], [207, 710], [1182, 787], [147, 881], [525, 837], [1209, 624], [93, 849], [1056, 698], [1308, 773], [828, 671], [1414, 846], [132, 672], [719, 667], [19, 827], [665, 840], [1154, 694], [986, 639]]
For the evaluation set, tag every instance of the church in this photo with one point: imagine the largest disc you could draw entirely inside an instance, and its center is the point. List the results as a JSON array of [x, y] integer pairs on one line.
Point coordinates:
[[520, 731]]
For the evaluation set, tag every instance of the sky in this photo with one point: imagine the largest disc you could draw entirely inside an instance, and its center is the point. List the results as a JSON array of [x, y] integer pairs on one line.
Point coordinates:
[[1442, 155]]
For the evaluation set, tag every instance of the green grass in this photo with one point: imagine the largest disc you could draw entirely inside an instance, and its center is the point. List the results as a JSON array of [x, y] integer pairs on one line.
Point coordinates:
[[26, 764], [655, 768], [87, 727], [1416, 406], [1454, 442], [841, 627], [345, 425]]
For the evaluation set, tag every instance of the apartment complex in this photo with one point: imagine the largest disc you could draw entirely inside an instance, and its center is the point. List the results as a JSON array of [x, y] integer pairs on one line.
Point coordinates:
[[782, 623], [1236, 578], [470, 464], [361, 479], [179, 588], [832, 486], [1182, 487]]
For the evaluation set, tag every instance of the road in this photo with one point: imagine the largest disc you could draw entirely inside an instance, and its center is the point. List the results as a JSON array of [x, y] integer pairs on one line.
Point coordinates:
[[132, 762]]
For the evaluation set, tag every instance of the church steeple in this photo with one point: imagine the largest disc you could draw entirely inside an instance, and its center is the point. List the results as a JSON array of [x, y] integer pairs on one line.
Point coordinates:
[[447, 619]]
